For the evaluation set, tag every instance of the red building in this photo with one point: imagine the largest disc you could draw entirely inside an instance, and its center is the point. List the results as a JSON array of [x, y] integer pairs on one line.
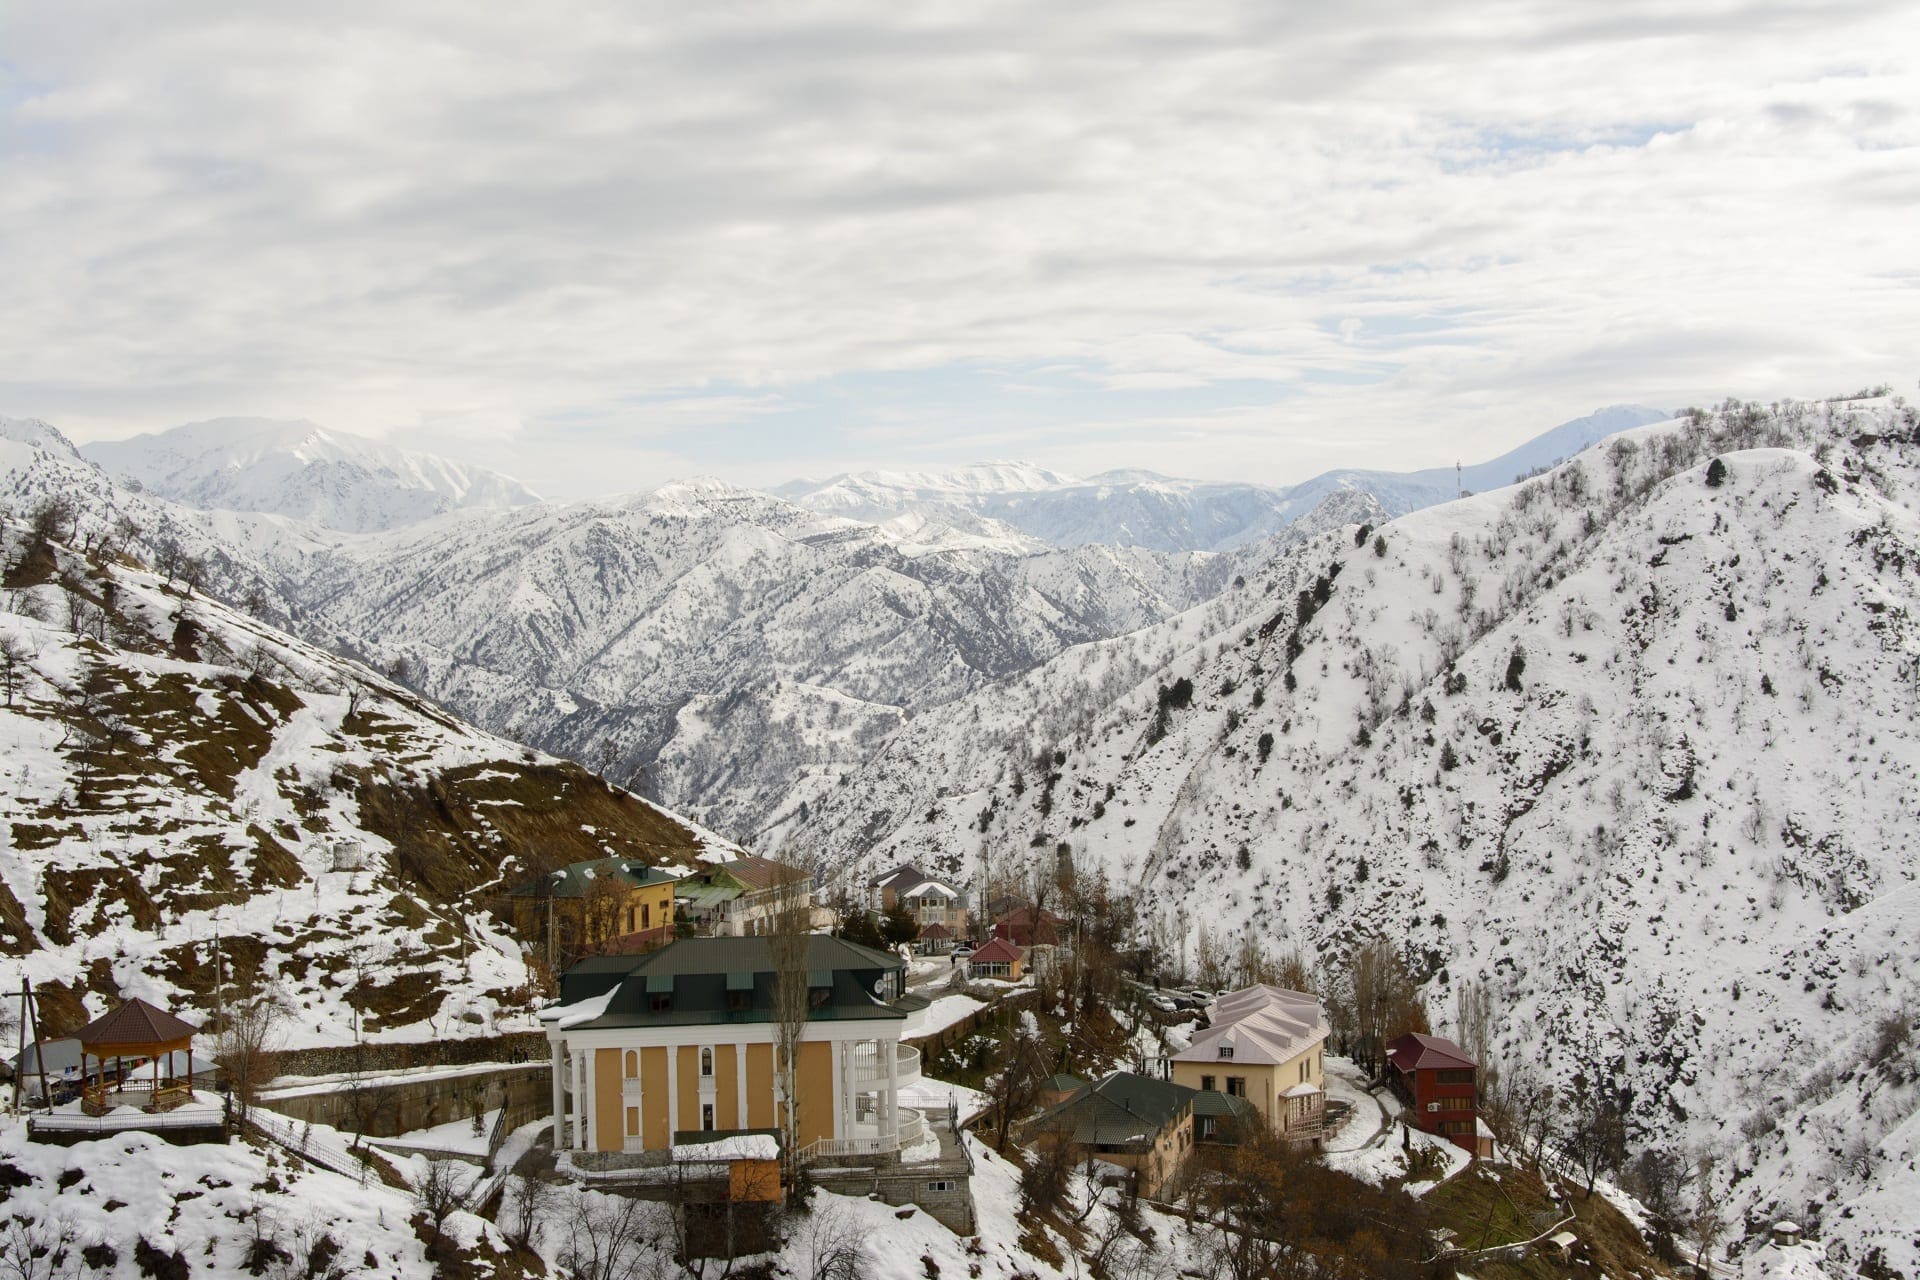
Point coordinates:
[[1439, 1085]]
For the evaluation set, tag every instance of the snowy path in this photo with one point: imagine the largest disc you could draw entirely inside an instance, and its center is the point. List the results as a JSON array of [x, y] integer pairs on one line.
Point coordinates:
[[1345, 1082]]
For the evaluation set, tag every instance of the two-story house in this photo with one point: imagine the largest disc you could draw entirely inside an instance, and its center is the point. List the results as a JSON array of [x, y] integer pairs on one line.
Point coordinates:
[[654, 1049], [743, 898], [603, 904], [1133, 1121], [1266, 1045], [1439, 1084]]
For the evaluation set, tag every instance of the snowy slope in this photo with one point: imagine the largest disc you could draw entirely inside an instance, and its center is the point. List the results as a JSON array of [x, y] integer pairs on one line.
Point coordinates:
[[171, 769], [1141, 508], [304, 472], [1681, 846]]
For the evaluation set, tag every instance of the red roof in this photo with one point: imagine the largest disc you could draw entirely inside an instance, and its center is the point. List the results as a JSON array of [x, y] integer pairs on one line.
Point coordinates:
[[999, 951], [1417, 1052], [134, 1023], [935, 933]]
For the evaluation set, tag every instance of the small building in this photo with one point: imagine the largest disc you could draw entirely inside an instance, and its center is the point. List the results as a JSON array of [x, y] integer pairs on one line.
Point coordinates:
[[1057, 1088], [997, 959], [1133, 1121], [1026, 925], [602, 904], [744, 897], [1221, 1119], [1436, 1081], [153, 1053], [934, 940], [1266, 1045]]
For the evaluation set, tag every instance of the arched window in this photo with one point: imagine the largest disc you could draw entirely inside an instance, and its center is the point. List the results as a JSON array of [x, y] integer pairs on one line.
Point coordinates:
[[633, 1064], [706, 1061]]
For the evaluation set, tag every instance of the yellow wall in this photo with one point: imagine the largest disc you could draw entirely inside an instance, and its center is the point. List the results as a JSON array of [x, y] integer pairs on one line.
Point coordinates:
[[609, 1119], [815, 1088], [760, 1086], [726, 1065], [689, 1087], [653, 1112], [1260, 1080]]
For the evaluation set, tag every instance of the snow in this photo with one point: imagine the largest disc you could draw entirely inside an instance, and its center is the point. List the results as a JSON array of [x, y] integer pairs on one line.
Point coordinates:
[[745, 1146]]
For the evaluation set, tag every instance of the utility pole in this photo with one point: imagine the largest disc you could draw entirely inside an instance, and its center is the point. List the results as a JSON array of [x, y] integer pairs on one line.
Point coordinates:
[[30, 1015], [1459, 481]]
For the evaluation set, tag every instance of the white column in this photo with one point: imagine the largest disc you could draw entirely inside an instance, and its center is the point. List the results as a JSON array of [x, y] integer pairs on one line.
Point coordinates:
[[893, 1086], [559, 1092], [579, 1100], [589, 1065], [673, 1091], [740, 1070], [840, 1056]]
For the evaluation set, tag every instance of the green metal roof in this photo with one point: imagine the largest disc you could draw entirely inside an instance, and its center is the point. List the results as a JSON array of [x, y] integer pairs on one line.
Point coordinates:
[[703, 977], [577, 879], [1123, 1110]]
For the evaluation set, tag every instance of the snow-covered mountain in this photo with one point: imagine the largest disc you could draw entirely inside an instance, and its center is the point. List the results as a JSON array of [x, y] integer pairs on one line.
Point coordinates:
[[1142, 509], [302, 471], [172, 769], [1634, 743]]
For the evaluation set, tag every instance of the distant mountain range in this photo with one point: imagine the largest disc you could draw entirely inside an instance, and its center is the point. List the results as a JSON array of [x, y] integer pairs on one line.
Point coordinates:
[[1137, 508], [304, 472]]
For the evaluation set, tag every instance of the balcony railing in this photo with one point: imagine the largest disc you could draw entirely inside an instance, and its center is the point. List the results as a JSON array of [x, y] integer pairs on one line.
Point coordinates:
[[870, 1065], [913, 1130]]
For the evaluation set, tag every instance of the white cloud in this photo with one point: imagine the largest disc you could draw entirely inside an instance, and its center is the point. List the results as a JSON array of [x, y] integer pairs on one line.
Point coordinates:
[[585, 227]]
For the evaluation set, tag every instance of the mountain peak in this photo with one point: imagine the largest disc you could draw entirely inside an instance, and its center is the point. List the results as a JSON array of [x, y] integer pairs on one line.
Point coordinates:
[[299, 469]]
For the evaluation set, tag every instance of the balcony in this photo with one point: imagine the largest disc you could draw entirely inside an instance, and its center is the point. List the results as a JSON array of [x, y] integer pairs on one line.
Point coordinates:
[[630, 1089], [866, 1140], [870, 1065]]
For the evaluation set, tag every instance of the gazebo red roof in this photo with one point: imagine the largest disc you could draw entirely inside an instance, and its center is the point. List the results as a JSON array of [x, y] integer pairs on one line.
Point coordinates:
[[135, 1024], [1417, 1052], [935, 933]]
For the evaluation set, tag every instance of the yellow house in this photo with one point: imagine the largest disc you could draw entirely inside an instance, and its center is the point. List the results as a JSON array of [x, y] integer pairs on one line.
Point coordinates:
[[605, 904], [1266, 1045], [1129, 1120], [656, 1049]]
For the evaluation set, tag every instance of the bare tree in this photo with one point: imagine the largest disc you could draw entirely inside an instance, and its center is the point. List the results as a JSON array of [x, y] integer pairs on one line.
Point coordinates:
[[36, 1248], [1014, 1088], [15, 665], [789, 942], [441, 1191], [1707, 1224], [610, 1238], [1473, 1019], [248, 1037], [827, 1244], [525, 1207]]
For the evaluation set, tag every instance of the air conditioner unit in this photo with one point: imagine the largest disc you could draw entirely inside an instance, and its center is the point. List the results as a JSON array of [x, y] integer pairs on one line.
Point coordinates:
[[1433, 1106]]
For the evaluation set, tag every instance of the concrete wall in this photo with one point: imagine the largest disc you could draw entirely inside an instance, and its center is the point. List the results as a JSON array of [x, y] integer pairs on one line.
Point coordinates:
[[400, 1106]]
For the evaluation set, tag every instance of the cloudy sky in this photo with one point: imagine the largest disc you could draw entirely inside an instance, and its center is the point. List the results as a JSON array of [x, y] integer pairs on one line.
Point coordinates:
[[596, 245]]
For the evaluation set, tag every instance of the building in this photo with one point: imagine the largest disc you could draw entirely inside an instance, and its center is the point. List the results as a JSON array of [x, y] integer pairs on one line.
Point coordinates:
[[997, 959], [603, 904], [1132, 1121], [887, 887], [1438, 1083], [656, 1049], [1221, 1119], [1266, 1045], [936, 904], [1026, 925], [742, 898]]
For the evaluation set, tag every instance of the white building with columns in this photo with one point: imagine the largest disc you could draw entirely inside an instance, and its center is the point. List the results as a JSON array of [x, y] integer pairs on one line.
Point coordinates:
[[648, 1049]]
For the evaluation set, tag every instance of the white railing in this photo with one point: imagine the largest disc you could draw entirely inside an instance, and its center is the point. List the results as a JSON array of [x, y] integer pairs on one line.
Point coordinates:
[[72, 1122], [300, 1138], [629, 1087], [913, 1130], [870, 1064]]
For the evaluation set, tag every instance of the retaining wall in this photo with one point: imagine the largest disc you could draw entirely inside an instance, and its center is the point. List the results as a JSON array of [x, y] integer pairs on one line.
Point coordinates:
[[393, 1107]]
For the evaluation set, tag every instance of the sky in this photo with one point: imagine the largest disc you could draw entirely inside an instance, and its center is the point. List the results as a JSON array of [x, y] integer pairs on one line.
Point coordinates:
[[598, 245]]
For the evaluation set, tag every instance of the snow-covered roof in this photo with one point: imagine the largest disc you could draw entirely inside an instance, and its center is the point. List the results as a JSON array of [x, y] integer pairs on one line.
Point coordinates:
[[1259, 1024], [738, 1146]]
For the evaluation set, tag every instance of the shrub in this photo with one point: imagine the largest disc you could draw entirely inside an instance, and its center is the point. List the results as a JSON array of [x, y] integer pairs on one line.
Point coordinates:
[[1716, 474], [1266, 746], [1380, 545], [1516, 667]]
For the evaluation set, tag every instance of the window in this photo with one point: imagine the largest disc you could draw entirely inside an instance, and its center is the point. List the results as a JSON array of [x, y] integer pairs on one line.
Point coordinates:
[[632, 1065], [646, 916], [739, 1001], [1226, 1052], [706, 1062], [1237, 1086], [1455, 1076], [1207, 1125], [943, 1185], [660, 1002], [633, 1122], [817, 997], [1206, 1084], [706, 1115]]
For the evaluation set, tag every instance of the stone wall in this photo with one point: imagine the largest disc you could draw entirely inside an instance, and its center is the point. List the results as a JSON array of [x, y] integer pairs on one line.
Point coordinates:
[[393, 1107], [333, 1060]]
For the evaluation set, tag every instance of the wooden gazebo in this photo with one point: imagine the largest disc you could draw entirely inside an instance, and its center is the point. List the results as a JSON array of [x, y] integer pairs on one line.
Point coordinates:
[[136, 1030]]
